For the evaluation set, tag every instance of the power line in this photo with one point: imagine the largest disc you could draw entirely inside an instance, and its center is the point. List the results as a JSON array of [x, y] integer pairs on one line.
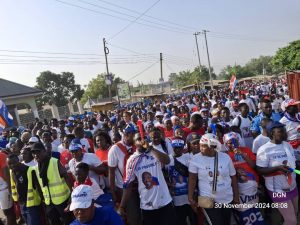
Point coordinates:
[[148, 16], [132, 16], [50, 53], [136, 19], [175, 30], [147, 68]]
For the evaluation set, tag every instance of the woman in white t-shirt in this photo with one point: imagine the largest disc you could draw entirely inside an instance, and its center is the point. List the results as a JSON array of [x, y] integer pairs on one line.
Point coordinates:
[[145, 165], [202, 167], [274, 161]]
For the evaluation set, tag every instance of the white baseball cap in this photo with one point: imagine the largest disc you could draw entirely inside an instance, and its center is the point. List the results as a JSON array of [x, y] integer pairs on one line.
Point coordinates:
[[81, 197], [33, 140], [159, 113]]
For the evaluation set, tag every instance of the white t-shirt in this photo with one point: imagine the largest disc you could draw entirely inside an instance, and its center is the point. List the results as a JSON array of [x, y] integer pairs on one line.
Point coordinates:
[[56, 142], [204, 167], [116, 159], [85, 143], [96, 190], [60, 148], [170, 150], [271, 155], [90, 159], [234, 113], [179, 183], [291, 128], [31, 163], [259, 141], [245, 130], [153, 189], [250, 103]]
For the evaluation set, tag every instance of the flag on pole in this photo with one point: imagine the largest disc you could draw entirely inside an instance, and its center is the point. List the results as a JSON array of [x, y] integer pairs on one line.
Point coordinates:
[[6, 120], [233, 83]]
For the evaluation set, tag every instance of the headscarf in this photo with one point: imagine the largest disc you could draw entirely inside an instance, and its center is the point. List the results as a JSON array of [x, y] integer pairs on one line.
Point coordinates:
[[211, 140]]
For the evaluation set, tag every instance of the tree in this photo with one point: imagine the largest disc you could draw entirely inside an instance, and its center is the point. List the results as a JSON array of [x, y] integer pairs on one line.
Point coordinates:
[[288, 58], [57, 89], [198, 76], [187, 77], [256, 65], [238, 70], [98, 88]]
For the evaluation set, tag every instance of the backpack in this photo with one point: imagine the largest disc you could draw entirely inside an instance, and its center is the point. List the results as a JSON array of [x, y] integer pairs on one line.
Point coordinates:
[[240, 120]]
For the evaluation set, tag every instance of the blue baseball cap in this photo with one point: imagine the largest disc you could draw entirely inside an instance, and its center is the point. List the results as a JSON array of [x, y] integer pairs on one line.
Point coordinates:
[[177, 143], [129, 129], [75, 147]]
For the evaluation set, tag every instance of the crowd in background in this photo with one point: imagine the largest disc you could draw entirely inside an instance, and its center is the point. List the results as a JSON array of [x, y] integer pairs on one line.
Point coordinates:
[[183, 159]]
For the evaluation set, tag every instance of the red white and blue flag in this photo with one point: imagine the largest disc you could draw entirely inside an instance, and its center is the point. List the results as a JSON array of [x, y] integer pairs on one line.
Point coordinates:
[[6, 120], [233, 83]]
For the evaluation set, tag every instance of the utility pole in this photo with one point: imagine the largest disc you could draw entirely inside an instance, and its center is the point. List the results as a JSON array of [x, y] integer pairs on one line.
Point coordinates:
[[209, 69], [161, 74], [197, 33], [108, 78]]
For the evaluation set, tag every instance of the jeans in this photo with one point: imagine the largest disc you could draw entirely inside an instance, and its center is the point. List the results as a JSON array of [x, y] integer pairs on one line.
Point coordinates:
[[31, 215]]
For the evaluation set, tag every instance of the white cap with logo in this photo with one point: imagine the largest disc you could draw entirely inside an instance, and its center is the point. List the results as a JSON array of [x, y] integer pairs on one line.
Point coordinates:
[[81, 197]]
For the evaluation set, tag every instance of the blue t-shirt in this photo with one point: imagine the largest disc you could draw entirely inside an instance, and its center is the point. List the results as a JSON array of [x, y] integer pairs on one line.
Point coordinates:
[[3, 142], [255, 124], [55, 155], [103, 216]]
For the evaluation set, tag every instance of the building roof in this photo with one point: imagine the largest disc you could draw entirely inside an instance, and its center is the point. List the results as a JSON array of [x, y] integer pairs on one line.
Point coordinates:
[[12, 89]]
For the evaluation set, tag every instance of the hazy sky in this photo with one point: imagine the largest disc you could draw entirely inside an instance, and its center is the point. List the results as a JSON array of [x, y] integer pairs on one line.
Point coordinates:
[[240, 30]]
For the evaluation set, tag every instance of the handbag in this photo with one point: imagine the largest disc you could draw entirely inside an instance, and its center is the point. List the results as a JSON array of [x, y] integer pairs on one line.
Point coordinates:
[[208, 202]]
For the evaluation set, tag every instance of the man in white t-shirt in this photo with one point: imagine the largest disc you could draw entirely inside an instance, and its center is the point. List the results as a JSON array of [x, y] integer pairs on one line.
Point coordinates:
[[117, 160], [243, 122], [249, 102], [79, 134], [263, 138], [145, 165], [95, 165]]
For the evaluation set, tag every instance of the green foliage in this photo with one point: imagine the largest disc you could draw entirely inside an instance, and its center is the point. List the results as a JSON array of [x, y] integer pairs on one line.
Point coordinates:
[[238, 70], [288, 58], [97, 88], [184, 78], [256, 65], [57, 89]]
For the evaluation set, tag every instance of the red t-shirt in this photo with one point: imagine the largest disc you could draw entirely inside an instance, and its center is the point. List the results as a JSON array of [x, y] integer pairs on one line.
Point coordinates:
[[187, 131], [91, 144], [3, 164], [102, 155], [65, 157], [243, 164], [169, 133]]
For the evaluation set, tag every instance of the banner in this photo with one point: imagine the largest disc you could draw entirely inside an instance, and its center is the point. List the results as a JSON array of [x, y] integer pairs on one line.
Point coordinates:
[[124, 92], [6, 120]]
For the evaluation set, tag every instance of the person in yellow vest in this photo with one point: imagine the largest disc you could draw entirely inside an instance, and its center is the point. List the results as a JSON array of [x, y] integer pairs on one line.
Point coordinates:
[[24, 183], [55, 186]]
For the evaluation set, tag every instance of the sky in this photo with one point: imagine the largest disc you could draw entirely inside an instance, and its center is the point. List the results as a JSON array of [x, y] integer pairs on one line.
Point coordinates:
[[67, 35]]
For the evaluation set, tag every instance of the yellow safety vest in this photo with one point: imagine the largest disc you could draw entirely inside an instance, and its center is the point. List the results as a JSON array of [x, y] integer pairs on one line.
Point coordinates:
[[57, 190], [33, 197]]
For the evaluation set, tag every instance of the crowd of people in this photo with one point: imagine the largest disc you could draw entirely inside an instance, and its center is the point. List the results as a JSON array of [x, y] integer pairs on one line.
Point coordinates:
[[211, 157]]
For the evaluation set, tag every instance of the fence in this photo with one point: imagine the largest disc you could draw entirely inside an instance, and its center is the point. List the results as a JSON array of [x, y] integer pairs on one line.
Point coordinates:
[[63, 112]]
